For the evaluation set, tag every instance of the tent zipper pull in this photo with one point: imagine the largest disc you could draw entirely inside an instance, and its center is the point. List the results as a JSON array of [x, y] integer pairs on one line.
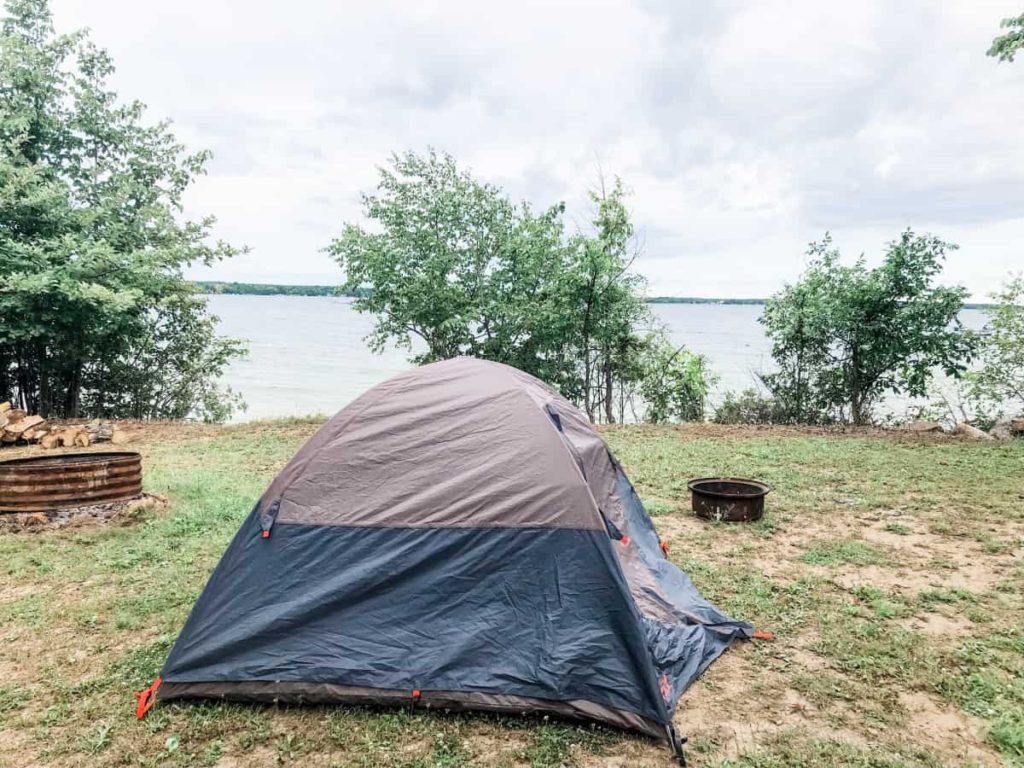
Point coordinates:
[[267, 518]]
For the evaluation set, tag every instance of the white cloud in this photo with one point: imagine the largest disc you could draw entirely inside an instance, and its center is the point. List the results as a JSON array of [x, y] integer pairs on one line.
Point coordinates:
[[744, 130]]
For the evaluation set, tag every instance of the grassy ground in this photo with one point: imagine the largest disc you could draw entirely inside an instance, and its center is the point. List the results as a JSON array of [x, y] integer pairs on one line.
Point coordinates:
[[890, 570]]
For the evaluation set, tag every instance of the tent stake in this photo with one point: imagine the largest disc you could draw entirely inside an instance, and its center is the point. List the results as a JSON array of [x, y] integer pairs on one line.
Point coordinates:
[[677, 745]]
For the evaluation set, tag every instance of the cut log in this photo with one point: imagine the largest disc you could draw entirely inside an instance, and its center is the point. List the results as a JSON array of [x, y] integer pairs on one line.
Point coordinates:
[[121, 437], [33, 433], [19, 427], [14, 414], [51, 440], [68, 436], [3, 420], [966, 430], [82, 439], [1001, 430], [99, 430], [923, 426], [5, 406]]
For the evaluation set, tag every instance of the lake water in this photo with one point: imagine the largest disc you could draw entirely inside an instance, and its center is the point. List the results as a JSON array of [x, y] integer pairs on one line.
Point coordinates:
[[307, 354]]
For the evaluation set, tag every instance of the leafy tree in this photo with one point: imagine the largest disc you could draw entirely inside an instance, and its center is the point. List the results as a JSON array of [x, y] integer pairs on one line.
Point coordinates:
[[599, 307], [92, 245], [798, 322], [453, 263], [1005, 46], [675, 381], [168, 370], [998, 385], [842, 335]]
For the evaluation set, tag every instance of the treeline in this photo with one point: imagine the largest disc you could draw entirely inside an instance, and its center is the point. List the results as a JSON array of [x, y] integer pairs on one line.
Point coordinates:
[[97, 319], [699, 300], [214, 287], [273, 289], [454, 262], [262, 289]]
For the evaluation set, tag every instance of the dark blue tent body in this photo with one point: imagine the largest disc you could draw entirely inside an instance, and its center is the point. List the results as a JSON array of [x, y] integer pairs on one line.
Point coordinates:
[[458, 537]]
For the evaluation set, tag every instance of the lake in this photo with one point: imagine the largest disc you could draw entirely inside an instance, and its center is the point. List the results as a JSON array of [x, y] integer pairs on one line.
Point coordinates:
[[307, 354]]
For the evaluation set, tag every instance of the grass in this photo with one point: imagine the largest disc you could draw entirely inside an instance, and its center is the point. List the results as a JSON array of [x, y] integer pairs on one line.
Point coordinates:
[[890, 571]]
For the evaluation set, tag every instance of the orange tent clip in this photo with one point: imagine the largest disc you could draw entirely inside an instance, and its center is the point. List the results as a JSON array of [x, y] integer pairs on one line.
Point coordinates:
[[147, 699], [763, 636]]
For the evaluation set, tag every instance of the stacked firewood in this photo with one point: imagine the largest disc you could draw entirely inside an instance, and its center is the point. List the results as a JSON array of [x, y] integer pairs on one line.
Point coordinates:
[[16, 426]]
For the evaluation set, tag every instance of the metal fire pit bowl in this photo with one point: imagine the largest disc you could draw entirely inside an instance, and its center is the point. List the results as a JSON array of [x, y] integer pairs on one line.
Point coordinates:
[[728, 499], [42, 483]]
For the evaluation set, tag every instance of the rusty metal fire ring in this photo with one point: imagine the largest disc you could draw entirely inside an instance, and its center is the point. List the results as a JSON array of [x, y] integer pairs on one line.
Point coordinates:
[[42, 483], [728, 499]]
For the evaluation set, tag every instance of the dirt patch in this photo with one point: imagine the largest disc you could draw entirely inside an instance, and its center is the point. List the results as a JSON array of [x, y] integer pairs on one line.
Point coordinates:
[[901, 580], [10, 593], [260, 755], [909, 581], [710, 430], [760, 703], [114, 513], [882, 533], [805, 660], [926, 561], [16, 742], [938, 625], [952, 734], [498, 749]]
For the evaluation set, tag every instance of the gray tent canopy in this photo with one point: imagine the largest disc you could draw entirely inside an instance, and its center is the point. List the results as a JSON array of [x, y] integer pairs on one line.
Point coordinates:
[[458, 537]]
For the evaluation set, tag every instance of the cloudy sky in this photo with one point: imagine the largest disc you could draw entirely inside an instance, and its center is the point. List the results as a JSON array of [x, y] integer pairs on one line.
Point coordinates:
[[743, 129]]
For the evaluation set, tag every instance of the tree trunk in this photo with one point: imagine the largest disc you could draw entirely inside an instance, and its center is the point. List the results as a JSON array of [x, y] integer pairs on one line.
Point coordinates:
[[588, 370], [856, 391], [609, 401], [75, 391], [24, 395], [45, 397]]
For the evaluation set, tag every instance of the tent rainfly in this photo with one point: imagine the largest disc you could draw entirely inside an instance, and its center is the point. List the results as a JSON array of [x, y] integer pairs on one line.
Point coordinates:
[[458, 537]]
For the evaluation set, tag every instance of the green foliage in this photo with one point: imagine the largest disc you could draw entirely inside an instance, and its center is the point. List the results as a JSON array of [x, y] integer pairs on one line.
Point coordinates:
[[674, 383], [842, 335], [452, 262], [1005, 46], [169, 371], [749, 407], [998, 385], [1007, 733], [92, 247]]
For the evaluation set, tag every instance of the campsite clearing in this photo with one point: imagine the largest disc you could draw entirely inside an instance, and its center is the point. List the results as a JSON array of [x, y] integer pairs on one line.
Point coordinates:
[[889, 567]]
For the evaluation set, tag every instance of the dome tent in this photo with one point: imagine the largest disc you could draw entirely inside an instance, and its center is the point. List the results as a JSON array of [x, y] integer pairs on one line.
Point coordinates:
[[458, 537]]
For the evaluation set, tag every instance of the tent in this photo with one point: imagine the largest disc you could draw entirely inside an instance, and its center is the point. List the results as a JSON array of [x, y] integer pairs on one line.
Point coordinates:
[[458, 537]]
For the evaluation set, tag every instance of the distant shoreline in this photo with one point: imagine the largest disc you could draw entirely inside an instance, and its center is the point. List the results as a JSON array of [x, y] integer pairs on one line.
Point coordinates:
[[218, 287]]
